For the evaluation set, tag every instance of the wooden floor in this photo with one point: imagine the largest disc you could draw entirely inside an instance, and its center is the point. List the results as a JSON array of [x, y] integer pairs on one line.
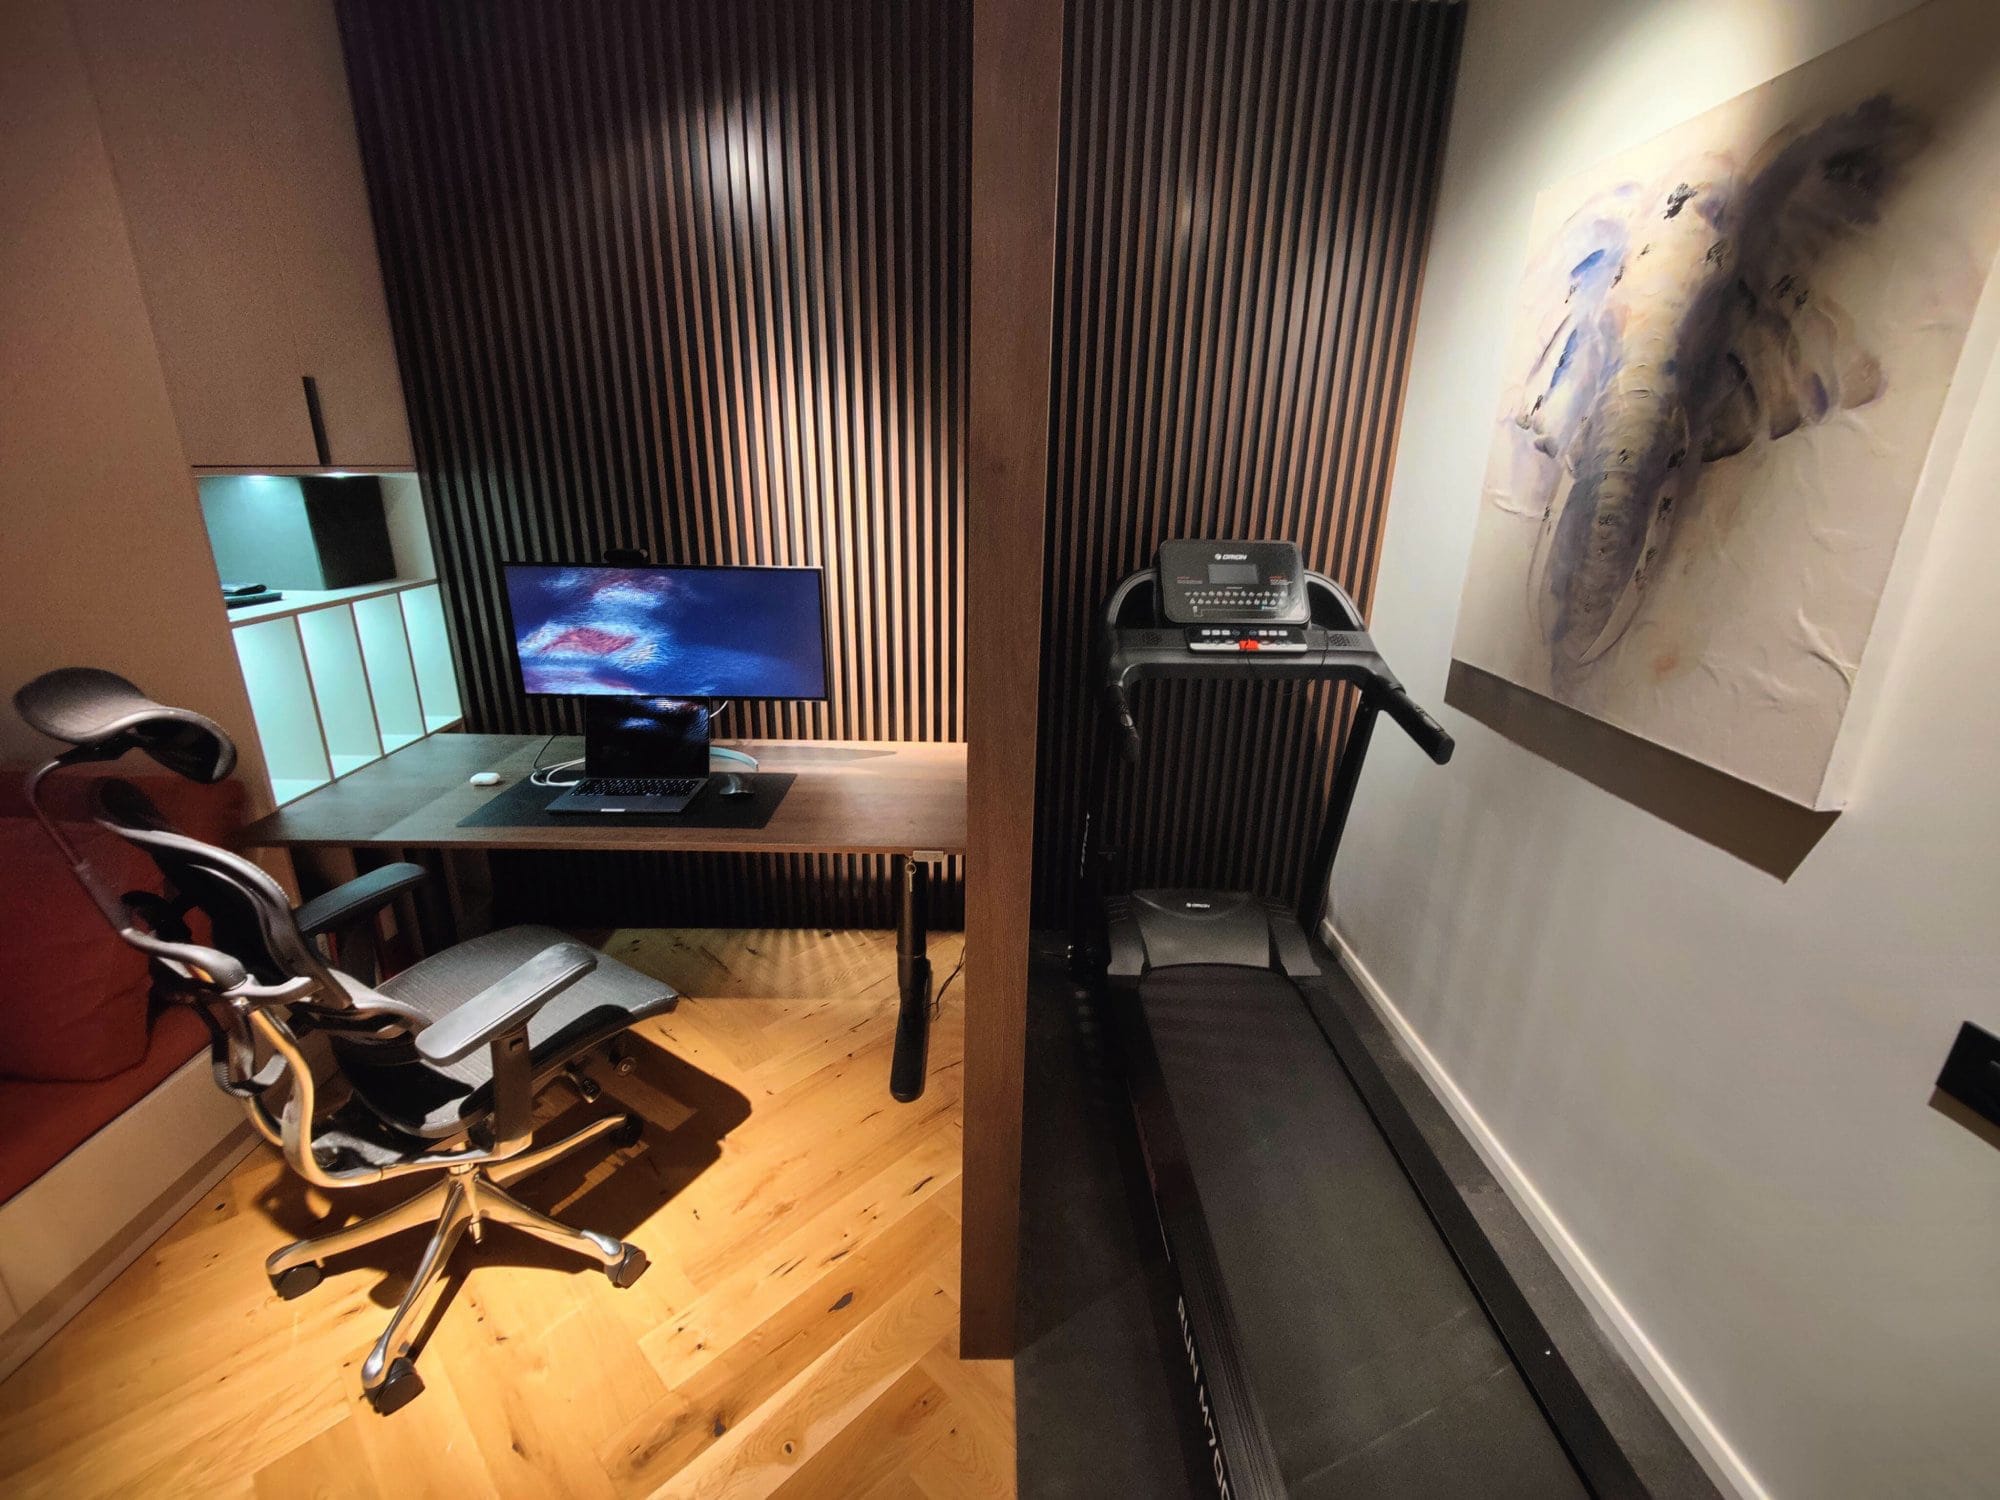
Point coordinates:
[[796, 1333]]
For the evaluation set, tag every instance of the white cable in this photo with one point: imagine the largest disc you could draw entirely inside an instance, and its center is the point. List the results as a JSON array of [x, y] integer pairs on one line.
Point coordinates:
[[545, 775]]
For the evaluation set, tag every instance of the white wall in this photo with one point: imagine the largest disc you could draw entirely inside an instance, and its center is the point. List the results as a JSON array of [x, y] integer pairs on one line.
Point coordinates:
[[102, 551], [1715, 1080]]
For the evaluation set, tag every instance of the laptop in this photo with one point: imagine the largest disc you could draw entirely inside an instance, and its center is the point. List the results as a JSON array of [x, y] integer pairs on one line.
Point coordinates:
[[640, 755]]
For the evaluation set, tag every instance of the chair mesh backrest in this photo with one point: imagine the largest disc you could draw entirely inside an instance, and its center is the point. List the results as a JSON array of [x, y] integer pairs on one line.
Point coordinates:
[[250, 916]]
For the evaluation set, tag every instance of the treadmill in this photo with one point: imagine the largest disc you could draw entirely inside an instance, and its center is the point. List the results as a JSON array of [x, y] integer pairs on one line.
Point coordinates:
[[1329, 1334]]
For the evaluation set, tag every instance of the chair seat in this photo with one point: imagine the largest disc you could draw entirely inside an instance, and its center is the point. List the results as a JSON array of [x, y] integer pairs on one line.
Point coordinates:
[[434, 1101]]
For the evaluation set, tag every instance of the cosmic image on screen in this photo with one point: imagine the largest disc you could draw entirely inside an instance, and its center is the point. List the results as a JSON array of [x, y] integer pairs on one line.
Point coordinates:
[[668, 632]]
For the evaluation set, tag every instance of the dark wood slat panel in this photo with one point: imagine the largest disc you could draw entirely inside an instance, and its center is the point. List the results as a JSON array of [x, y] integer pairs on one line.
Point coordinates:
[[690, 279], [1245, 198]]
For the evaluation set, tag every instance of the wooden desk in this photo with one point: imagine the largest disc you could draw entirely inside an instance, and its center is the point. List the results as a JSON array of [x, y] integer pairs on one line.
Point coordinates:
[[851, 797]]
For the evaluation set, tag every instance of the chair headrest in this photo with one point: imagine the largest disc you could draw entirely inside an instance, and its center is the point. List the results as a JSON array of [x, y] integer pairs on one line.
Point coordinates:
[[103, 716]]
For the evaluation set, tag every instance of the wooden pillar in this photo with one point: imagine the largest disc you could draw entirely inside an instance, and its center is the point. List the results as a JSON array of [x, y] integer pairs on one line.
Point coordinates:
[[1016, 129]]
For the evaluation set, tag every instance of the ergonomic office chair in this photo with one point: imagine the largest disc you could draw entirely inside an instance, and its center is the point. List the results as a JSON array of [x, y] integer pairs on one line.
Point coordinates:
[[434, 1070]]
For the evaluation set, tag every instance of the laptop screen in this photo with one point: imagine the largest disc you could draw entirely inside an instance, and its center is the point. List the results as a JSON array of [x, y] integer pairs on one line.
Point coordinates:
[[645, 737]]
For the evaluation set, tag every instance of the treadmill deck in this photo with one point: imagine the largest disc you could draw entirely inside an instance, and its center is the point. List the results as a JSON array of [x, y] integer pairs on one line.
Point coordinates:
[[1375, 1368]]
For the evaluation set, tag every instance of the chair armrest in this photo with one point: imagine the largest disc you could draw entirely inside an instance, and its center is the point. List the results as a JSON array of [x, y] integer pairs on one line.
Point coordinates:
[[360, 897], [506, 1004]]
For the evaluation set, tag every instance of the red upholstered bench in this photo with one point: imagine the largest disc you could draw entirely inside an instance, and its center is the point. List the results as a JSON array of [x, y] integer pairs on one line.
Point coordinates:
[[79, 1040]]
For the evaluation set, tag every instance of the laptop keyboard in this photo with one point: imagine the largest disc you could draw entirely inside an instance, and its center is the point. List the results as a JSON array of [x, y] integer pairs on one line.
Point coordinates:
[[638, 786]]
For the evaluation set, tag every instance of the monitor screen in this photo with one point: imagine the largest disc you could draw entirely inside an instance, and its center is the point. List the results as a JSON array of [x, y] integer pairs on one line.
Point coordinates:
[[668, 632]]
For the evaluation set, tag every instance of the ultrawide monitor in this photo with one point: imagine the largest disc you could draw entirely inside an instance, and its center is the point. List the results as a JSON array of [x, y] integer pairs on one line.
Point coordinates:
[[668, 632]]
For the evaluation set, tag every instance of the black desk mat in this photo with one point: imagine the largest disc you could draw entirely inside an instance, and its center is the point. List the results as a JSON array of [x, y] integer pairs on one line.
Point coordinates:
[[525, 805]]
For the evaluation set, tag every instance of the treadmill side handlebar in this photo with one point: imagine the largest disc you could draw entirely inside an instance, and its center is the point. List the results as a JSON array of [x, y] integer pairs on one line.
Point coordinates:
[[1430, 735], [1121, 715]]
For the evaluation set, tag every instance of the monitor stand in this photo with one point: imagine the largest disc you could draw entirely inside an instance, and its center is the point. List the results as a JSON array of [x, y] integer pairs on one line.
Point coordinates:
[[727, 752]]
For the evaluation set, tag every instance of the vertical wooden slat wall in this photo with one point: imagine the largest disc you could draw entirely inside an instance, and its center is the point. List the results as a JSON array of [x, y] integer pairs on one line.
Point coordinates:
[[691, 279], [1245, 201]]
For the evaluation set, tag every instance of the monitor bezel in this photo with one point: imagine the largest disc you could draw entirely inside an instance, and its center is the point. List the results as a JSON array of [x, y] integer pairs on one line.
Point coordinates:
[[825, 636]]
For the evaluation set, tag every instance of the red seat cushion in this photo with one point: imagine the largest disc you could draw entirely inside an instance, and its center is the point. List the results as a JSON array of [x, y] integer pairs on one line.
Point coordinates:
[[41, 1123], [73, 996], [76, 1046]]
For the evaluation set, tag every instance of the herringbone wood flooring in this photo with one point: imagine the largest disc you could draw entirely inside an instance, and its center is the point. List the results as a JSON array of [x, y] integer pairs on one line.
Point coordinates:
[[795, 1334]]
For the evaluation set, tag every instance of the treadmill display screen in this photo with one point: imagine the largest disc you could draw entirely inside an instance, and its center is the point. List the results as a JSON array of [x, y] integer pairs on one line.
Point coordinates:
[[1232, 573]]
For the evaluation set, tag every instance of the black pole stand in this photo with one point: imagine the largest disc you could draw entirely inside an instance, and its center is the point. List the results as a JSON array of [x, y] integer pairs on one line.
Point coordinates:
[[913, 980]]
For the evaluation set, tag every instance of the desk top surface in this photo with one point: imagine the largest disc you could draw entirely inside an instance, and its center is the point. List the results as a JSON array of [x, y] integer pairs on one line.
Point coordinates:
[[851, 797]]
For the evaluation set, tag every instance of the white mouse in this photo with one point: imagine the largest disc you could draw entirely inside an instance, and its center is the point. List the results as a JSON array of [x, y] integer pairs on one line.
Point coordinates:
[[485, 778]]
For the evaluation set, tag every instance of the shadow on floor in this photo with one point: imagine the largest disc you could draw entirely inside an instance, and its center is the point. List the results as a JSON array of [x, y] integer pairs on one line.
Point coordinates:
[[1099, 1410], [597, 1187]]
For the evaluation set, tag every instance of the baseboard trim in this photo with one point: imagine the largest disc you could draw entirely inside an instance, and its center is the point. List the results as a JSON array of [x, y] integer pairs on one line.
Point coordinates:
[[1697, 1429], [111, 1252]]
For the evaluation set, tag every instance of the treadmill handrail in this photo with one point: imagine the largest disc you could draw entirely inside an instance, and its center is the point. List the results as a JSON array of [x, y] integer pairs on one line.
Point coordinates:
[[1345, 599], [1340, 655], [1125, 654], [1432, 738]]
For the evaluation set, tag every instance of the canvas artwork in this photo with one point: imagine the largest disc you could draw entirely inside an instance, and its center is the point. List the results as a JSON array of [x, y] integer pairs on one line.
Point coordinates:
[[1732, 348]]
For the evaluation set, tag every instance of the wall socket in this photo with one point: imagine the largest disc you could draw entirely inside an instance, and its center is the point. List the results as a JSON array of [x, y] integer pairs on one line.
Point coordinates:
[[1971, 1072]]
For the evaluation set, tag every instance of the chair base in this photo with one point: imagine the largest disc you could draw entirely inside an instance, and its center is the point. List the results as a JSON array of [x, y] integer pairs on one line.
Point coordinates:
[[466, 1197]]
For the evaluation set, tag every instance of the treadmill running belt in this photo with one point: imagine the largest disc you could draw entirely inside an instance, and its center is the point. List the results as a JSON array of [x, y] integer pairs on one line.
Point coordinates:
[[1377, 1371]]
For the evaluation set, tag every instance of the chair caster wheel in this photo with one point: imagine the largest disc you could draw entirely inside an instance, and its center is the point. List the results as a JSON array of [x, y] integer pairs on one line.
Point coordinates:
[[400, 1386], [628, 1132], [296, 1281], [628, 1268]]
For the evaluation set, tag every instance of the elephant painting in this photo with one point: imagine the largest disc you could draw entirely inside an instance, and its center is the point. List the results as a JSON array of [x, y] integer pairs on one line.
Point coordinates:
[[1687, 328], [1731, 351]]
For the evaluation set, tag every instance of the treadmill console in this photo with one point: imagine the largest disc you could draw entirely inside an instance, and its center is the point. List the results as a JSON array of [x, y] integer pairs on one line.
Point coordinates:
[[1280, 638], [1205, 583]]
